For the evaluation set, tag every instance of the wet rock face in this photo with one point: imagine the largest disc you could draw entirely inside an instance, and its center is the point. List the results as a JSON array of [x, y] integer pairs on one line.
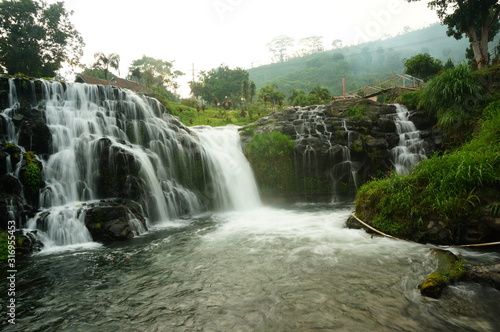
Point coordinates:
[[344, 143], [109, 221]]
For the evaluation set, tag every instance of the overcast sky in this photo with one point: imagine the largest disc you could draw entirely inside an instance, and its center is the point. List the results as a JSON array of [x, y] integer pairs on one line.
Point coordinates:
[[208, 33]]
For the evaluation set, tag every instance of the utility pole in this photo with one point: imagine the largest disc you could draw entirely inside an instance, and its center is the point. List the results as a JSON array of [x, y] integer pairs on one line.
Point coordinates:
[[343, 87]]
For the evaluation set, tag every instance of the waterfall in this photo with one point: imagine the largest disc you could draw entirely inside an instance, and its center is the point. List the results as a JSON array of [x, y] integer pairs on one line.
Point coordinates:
[[346, 168], [410, 149], [230, 173], [108, 143]]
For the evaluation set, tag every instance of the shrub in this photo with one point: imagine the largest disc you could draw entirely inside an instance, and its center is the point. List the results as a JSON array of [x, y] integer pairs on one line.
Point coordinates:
[[455, 96], [271, 157]]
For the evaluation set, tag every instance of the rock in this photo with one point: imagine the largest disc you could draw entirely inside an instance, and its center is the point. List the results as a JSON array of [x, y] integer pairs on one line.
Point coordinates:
[[28, 242], [452, 269], [333, 146], [386, 124], [109, 221], [487, 275], [449, 270]]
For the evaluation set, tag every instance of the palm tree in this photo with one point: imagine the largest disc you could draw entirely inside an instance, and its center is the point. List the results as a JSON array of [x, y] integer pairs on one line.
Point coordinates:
[[321, 92], [105, 62]]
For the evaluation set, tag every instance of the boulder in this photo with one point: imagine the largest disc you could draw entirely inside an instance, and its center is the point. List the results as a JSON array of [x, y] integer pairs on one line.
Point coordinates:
[[487, 275], [109, 221], [451, 269], [28, 242]]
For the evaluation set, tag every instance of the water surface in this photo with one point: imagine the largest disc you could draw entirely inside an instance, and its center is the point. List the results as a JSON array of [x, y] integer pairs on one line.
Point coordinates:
[[264, 269]]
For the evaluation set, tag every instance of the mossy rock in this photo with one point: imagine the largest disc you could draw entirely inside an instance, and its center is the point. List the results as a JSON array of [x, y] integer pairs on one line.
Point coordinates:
[[449, 270]]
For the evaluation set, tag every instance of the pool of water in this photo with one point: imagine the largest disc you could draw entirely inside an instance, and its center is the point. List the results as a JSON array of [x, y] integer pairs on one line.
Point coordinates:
[[267, 269]]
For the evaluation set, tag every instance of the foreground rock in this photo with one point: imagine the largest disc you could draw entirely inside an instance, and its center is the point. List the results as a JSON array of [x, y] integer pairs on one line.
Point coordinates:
[[109, 221], [452, 269]]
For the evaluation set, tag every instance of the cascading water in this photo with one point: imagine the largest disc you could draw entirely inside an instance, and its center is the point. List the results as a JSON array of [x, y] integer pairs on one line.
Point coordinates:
[[314, 134], [231, 176], [410, 149], [109, 143], [346, 168]]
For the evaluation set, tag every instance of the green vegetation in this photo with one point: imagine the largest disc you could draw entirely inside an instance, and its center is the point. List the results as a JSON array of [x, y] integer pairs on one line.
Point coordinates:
[[32, 174], [450, 269], [104, 62], [4, 254], [453, 188], [360, 64], [356, 112], [37, 38], [476, 19], [215, 117], [422, 66], [271, 157], [223, 84], [456, 97]]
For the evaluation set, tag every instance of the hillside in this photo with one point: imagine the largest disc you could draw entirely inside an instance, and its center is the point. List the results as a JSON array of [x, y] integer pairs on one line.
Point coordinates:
[[360, 64]]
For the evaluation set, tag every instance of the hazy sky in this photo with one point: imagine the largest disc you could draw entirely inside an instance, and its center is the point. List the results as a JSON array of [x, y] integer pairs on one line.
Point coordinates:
[[231, 32]]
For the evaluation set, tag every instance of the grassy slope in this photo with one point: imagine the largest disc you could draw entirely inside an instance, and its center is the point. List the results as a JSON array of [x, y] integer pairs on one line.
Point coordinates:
[[217, 117], [459, 187]]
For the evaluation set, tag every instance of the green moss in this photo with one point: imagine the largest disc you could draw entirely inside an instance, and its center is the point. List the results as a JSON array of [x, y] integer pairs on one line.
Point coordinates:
[[249, 130], [272, 159], [449, 270], [356, 112], [32, 178], [3, 247], [32, 173]]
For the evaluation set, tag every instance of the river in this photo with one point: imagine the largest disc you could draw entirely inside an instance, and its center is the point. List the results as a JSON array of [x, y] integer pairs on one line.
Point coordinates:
[[264, 269]]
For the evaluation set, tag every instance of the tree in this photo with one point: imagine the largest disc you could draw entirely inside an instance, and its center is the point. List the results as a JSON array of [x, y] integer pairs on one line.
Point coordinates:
[[36, 38], [271, 93], [248, 91], [293, 94], [279, 47], [153, 73], [422, 66], [477, 19], [310, 45], [222, 83], [337, 43], [103, 62], [322, 94]]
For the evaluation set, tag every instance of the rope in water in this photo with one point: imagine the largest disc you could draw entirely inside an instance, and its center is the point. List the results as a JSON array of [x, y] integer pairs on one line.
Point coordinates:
[[395, 238]]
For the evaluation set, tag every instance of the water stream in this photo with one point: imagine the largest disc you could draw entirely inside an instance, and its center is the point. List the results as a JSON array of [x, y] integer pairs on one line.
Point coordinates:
[[265, 269], [410, 150]]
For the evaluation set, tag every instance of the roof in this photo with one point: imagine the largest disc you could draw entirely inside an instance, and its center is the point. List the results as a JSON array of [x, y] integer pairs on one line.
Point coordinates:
[[90, 80], [131, 85], [115, 81]]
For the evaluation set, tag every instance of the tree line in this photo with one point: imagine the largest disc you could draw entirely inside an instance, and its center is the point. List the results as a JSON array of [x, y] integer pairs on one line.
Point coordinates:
[[37, 38]]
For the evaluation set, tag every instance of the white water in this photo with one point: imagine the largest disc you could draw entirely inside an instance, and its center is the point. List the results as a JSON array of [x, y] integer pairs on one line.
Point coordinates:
[[410, 149], [92, 126], [231, 175], [265, 269]]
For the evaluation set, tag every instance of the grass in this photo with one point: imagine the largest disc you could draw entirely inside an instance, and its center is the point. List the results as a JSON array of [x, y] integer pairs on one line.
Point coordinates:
[[217, 117], [454, 188], [356, 112]]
